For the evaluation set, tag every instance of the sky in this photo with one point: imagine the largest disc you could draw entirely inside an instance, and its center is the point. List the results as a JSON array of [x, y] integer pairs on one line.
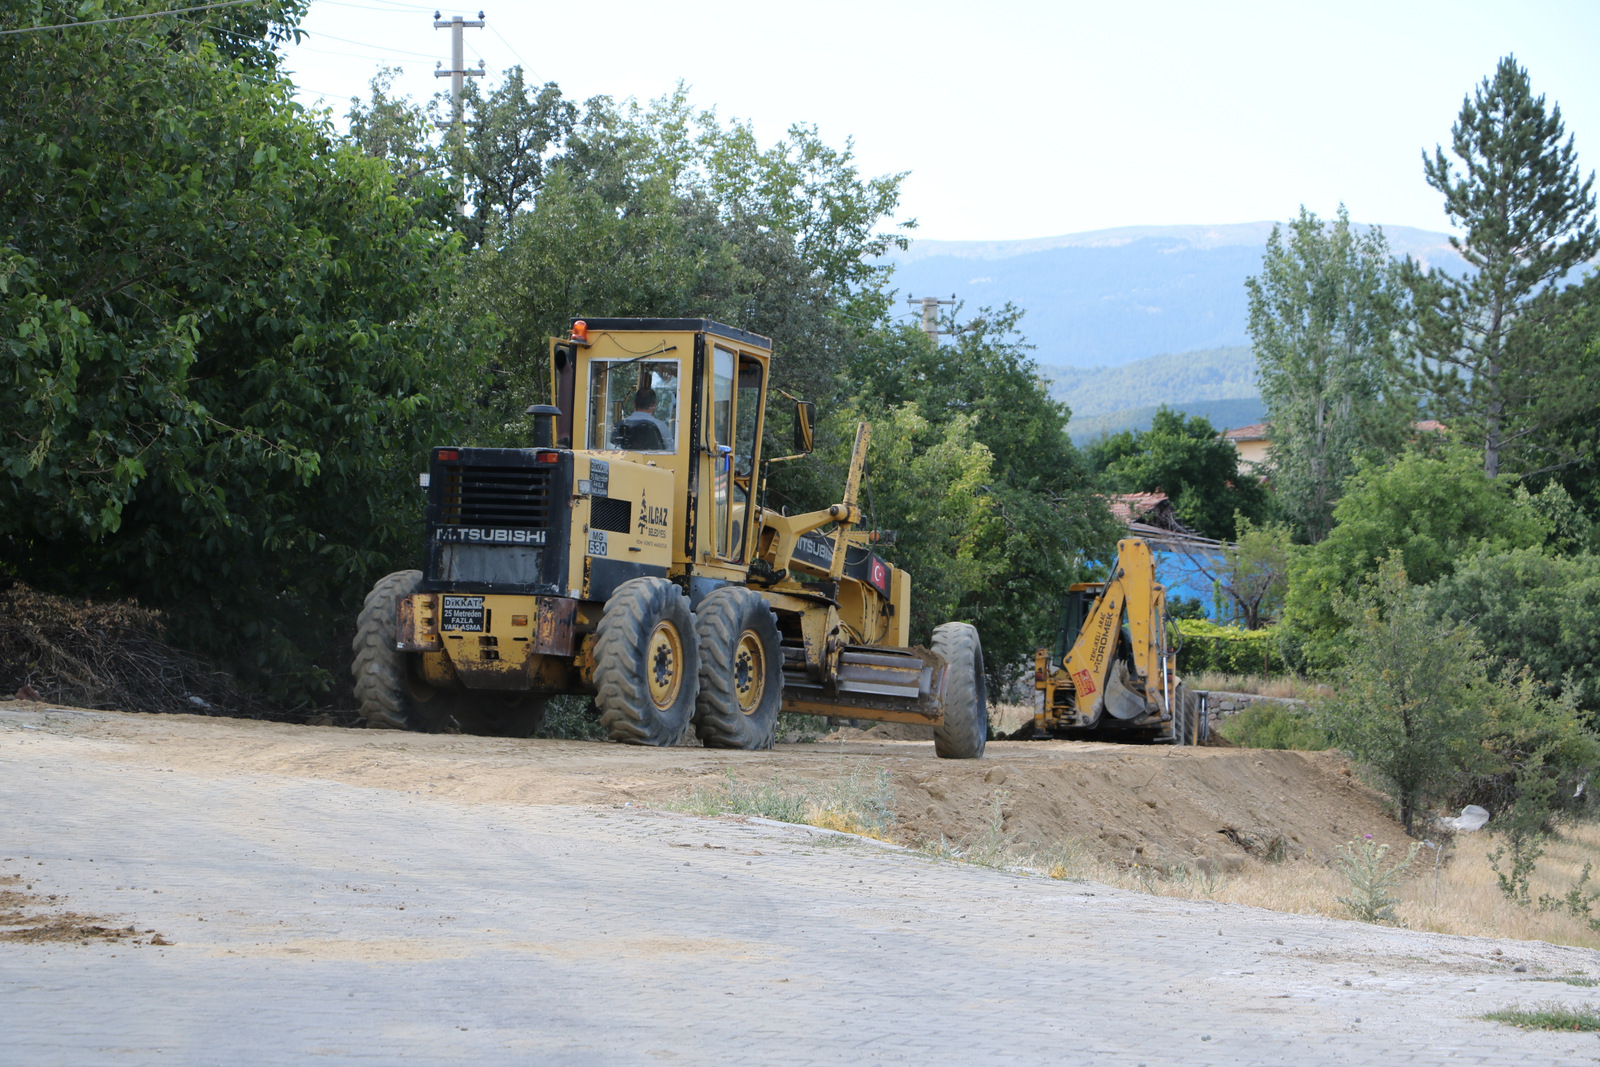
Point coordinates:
[[1018, 119]]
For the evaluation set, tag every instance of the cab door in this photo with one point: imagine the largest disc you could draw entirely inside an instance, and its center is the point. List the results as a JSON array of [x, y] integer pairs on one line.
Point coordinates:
[[737, 388]]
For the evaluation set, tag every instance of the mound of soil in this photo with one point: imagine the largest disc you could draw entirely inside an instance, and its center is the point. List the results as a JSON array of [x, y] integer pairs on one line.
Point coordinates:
[[1147, 805]]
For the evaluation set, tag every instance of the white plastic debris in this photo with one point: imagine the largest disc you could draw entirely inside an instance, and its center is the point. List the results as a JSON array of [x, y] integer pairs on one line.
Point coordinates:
[[1471, 818]]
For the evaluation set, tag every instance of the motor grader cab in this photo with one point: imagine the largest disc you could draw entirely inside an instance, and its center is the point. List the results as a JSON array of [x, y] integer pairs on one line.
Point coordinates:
[[628, 555], [1113, 674]]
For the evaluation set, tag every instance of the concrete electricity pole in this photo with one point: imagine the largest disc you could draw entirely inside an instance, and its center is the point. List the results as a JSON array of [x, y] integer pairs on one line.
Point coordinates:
[[930, 314], [457, 73]]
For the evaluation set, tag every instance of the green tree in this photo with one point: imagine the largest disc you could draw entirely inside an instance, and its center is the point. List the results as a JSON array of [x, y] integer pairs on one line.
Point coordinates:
[[223, 354], [1409, 699], [1323, 312], [1040, 518], [1252, 572], [515, 134], [1429, 509], [1533, 609], [930, 480], [401, 132], [1527, 215], [665, 210], [1189, 461]]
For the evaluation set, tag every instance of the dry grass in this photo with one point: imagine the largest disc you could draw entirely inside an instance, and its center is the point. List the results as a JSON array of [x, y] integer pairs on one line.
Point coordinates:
[[1006, 718], [1277, 686], [856, 804], [1465, 900]]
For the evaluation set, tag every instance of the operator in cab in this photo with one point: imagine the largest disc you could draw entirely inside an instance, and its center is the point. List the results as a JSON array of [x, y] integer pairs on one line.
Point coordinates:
[[642, 431]]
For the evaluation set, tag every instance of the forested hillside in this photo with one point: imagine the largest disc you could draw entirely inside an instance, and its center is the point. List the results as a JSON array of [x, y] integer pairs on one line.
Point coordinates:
[[1219, 383]]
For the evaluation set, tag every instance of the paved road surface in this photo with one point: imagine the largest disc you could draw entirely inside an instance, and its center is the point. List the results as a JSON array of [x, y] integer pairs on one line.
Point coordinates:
[[320, 921]]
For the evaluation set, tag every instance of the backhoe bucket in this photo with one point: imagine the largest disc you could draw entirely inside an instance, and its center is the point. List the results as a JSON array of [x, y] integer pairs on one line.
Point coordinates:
[[1122, 702]]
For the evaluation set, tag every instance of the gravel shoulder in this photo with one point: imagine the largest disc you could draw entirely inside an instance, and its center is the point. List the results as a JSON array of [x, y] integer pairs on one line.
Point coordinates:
[[298, 893]]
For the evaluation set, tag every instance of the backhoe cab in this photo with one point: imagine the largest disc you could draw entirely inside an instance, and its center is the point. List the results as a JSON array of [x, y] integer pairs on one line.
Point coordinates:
[[1113, 673], [627, 555]]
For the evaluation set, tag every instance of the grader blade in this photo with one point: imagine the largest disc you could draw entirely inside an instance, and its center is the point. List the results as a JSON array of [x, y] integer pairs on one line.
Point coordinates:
[[891, 685]]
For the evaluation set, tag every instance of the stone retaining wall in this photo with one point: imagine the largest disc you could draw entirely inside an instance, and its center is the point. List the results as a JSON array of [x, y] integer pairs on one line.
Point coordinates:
[[1220, 704]]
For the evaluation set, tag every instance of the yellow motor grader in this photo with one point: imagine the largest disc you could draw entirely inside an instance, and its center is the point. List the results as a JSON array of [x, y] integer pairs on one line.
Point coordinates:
[[1112, 675], [628, 555]]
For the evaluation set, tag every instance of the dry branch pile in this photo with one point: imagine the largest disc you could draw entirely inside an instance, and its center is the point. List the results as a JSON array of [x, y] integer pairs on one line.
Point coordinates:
[[110, 656]]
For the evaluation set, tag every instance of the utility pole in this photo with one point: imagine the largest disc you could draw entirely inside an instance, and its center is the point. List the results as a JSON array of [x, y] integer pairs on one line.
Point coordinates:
[[457, 73], [930, 314]]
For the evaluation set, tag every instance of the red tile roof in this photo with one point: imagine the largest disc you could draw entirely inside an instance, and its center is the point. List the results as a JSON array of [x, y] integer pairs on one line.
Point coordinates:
[[1254, 432], [1129, 506]]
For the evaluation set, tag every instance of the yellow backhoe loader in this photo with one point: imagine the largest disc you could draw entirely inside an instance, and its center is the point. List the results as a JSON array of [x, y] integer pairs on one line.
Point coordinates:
[[628, 555], [1112, 674]]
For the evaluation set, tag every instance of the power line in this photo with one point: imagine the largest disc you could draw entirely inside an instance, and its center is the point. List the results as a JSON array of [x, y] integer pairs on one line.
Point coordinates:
[[521, 62], [312, 35], [129, 18]]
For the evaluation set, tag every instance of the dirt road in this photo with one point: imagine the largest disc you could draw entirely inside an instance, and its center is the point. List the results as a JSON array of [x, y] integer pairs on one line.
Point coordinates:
[[190, 890]]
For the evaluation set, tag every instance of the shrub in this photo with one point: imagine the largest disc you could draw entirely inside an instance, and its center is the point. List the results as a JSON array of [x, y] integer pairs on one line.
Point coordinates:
[[1371, 899], [1274, 726], [1430, 508], [1225, 649], [1531, 608]]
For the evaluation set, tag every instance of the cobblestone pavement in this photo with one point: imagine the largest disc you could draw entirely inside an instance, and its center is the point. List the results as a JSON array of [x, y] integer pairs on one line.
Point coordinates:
[[313, 921]]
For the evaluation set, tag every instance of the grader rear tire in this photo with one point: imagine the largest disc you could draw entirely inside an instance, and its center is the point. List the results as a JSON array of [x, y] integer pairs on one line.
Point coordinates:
[[741, 670], [392, 697], [965, 729], [389, 697], [646, 663]]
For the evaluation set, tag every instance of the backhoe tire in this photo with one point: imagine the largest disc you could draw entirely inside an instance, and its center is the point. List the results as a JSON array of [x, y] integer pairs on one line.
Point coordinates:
[[965, 729], [741, 670], [1180, 718], [1186, 716], [392, 697], [646, 663]]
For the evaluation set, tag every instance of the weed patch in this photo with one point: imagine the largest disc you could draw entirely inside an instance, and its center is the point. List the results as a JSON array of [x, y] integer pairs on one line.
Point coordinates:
[[1371, 898], [1552, 1016], [1274, 726], [860, 803]]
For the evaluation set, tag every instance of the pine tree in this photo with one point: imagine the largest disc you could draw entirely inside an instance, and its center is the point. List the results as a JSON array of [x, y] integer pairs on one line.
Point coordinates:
[[1322, 316], [1528, 219]]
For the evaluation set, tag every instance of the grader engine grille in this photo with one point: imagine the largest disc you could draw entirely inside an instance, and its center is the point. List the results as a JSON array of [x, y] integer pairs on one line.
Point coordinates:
[[506, 497], [499, 521]]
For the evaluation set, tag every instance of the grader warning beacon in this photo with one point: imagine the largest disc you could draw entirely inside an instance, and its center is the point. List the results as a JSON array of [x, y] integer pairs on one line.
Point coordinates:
[[628, 555], [1112, 675]]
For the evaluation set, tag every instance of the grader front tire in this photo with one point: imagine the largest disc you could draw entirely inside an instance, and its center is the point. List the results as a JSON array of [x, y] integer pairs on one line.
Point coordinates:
[[647, 663], [965, 729], [741, 670]]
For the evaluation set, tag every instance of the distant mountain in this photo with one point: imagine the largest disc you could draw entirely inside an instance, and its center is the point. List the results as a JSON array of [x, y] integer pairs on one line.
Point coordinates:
[[1219, 383], [1224, 415], [1110, 297]]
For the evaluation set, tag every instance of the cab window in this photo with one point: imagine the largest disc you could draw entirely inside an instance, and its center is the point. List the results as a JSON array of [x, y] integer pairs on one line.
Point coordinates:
[[633, 405]]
